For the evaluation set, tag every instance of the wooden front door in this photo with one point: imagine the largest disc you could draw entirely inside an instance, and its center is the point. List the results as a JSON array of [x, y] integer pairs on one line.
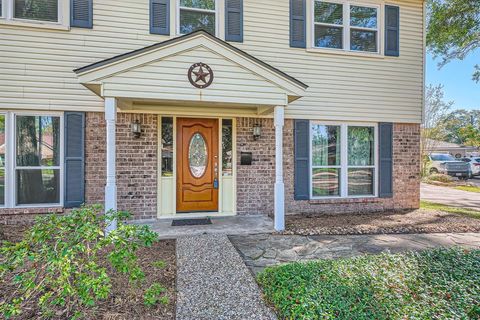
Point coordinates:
[[197, 165]]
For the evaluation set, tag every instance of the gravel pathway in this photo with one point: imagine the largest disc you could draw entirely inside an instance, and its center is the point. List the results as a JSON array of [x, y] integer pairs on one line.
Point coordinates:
[[214, 283]]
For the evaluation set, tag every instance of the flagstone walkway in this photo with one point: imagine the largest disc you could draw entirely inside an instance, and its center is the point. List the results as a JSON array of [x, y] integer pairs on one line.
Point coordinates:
[[260, 251], [214, 283]]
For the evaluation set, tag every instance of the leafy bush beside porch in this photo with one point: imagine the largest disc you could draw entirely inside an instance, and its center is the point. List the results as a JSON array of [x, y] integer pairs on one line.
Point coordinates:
[[435, 284], [66, 264]]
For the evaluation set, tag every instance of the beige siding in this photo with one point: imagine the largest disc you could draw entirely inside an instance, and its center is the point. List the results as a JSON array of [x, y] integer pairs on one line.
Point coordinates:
[[36, 64]]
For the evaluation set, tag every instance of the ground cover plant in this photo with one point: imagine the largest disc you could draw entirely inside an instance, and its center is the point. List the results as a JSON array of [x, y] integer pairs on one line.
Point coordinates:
[[455, 210], [67, 268], [469, 188], [433, 284]]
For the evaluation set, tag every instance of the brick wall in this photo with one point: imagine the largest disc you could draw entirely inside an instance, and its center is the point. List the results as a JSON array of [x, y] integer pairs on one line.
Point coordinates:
[[136, 163], [255, 183]]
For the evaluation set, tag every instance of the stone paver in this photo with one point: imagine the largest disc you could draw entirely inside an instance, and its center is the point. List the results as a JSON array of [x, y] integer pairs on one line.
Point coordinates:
[[214, 283], [450, 196], [260, 251]]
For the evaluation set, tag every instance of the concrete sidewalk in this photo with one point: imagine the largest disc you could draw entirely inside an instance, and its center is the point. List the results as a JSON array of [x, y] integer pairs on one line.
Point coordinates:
[[450, 196]]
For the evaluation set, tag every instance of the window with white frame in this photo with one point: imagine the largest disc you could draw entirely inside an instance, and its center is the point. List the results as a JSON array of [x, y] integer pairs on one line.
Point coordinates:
[[343, 160], [37, 161], [3, 149], [196, 15], [346, 26], [45, 11]]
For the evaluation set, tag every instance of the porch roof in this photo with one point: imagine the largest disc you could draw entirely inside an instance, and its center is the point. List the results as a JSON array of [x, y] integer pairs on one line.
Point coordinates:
[[158, 73]]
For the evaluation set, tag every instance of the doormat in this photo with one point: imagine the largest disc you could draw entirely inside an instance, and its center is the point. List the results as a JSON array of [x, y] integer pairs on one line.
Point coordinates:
[[191, 222]]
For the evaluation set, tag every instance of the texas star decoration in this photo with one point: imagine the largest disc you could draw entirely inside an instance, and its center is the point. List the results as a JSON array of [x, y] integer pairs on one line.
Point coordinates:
[[203, 75]]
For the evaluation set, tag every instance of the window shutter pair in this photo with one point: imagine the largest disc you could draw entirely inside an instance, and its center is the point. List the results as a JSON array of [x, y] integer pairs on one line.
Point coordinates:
[[81, 13], [302, 160], [74, 159], [298, 27], [160, 18]]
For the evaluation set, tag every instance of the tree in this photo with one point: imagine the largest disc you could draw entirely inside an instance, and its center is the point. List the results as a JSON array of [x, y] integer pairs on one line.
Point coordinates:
[[454, 121], [436, 109], [470, 135], [453, 30]]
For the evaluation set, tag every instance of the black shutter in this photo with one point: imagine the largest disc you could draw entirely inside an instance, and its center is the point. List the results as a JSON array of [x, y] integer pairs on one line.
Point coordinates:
[[302, 159], [160, 17], [392, 31], [81, 13], [385, 145], [298, 24], [234, 20], [74, 159]]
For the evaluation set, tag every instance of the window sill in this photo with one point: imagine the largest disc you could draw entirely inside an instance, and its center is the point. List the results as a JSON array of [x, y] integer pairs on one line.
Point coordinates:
[[34, 24], [366, 199], [346, 53]]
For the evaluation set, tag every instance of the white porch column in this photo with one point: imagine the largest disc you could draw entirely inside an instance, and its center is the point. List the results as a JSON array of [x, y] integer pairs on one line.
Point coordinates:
[[111, 186], [279, 185]]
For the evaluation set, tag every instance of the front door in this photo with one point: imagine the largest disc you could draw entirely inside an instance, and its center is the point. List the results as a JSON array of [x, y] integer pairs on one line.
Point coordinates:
[[197, 165]]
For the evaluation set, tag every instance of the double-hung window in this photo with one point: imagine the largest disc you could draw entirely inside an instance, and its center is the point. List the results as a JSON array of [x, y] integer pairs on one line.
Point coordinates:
[[37, 163], [47, 12], [196, 15], [343, 160], [346, 26]]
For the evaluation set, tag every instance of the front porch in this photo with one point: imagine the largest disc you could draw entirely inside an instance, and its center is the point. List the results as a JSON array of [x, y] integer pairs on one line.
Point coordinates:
[[195, 85], [232, 226]]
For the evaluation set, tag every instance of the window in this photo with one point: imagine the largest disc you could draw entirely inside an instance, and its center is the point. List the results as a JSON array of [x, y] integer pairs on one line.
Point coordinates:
[[46, 13], [167, 147], [343, 160], [197, 15], [345, 26], [326, 167], [41, 10], [2, 158], [37, 160], [227, 150]]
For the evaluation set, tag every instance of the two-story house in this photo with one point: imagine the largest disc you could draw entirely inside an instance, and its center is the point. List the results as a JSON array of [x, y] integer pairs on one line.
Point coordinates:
[[188, 108]]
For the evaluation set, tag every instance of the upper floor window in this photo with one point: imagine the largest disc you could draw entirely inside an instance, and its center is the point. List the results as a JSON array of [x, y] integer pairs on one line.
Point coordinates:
[[47, 13], [41, 10], [346, 26], [197, 15]]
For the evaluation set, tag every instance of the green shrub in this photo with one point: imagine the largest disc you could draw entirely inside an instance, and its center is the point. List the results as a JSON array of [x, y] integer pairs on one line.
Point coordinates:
[[153, 295], [61, 264], [438, 177], [433, 284]]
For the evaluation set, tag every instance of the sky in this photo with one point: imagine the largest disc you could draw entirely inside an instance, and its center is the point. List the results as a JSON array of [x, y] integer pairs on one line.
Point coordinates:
[[456, 78]]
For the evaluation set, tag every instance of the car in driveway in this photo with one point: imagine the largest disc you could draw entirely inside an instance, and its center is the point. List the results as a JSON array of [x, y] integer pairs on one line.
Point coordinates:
[[447, 164], [474, 163]]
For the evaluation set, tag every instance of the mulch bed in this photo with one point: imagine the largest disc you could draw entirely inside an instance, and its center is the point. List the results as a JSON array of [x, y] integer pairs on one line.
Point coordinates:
[[125, 302], [416, 221]]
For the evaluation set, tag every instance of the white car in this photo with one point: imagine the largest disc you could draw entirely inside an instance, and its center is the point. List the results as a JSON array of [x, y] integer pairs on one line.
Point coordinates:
[[447, 164], [474, 165]]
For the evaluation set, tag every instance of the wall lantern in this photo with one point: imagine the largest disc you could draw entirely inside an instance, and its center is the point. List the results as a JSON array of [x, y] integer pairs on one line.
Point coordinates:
[[136, 129], [257, 131]]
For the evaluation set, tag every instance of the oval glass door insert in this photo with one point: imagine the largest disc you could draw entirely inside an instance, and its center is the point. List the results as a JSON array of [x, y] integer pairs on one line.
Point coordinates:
[[197, 155]]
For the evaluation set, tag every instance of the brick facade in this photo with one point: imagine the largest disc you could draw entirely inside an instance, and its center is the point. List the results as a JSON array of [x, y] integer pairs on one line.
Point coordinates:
[[137, 161]]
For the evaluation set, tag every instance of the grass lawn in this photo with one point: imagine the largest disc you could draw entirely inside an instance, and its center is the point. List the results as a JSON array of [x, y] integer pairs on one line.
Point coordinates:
[[469, 188], [435, 284], [440, 207]]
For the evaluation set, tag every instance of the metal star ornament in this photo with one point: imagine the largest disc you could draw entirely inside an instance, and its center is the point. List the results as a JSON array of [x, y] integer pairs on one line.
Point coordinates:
[[203, 75]]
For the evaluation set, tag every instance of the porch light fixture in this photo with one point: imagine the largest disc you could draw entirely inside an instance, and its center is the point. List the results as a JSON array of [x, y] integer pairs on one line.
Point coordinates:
[[136, 129], [257, 131]]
